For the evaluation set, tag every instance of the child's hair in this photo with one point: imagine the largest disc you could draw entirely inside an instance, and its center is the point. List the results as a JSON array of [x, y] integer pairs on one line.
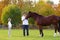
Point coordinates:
[[9, 19]]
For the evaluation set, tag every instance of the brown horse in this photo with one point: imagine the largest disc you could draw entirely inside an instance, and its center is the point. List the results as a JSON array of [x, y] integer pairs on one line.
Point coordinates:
[[44, 21]]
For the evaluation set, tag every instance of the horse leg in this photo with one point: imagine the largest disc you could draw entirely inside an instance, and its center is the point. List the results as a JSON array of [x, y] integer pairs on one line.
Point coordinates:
[[58, 33], [59, 27], [41, 31], [55, 33], [56, 28]]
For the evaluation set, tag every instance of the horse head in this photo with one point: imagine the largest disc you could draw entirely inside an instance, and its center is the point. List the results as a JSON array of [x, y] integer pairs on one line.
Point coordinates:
[[28, 15]]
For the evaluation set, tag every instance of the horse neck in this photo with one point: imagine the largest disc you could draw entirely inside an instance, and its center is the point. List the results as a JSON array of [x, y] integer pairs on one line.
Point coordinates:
[[35, 16]]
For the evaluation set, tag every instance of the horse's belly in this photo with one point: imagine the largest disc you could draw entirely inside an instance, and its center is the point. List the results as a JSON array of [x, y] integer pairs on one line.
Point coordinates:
[[46, 24]]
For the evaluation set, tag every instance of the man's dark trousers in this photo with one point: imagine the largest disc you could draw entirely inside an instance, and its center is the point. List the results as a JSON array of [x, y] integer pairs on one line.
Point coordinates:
[[25, 30]]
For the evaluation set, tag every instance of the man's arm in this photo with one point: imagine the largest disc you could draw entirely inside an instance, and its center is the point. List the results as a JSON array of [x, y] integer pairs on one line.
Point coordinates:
[[23, 18]]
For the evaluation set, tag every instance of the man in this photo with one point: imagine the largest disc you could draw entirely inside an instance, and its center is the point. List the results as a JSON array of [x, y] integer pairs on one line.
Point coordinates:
[[25, 25], [9, 26]]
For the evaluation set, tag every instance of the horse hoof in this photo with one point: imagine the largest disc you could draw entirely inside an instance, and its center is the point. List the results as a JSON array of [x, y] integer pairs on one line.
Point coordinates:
[[54, 34], [40, 35], [58, 34]]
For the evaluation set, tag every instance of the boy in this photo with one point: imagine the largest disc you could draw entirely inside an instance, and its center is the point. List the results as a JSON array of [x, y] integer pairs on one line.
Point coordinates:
[[9, 26]]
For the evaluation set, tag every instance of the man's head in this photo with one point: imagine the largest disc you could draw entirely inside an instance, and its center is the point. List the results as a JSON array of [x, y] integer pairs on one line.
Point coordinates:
[[24, 14]]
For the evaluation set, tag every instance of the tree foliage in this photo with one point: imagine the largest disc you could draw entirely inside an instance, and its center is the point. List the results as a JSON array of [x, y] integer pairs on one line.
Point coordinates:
[[43, 9], [13, 12], [57, 11]]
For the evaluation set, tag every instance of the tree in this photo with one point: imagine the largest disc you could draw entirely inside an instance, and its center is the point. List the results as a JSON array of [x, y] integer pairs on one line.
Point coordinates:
[[57, 11], [43, 9], [50, 2], [3, 3], [13, 12], [1, 7]]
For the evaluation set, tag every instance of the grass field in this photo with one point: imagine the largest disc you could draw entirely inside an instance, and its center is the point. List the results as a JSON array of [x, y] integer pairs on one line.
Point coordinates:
[[16, 34]]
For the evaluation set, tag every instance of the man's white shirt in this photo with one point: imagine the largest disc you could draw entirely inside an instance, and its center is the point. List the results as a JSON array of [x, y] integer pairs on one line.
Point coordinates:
[[24, 21]]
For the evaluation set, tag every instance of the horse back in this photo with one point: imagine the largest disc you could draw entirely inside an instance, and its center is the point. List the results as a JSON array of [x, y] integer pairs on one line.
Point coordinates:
[[47, 20]]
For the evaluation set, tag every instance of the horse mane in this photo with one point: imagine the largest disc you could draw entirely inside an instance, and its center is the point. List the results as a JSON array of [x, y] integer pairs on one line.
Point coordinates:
[[38, 14], [35, 13]]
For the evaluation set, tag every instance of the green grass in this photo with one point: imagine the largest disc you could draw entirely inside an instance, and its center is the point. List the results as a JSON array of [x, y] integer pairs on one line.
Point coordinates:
[[34, 35]]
